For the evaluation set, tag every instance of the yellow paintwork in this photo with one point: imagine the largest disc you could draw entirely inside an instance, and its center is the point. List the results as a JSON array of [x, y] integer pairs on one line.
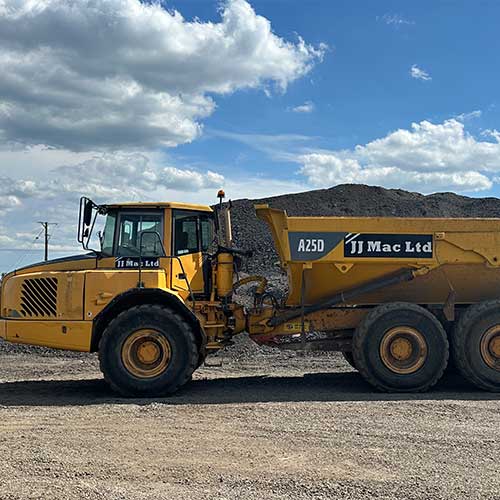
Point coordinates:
[[69, 294], [102, 286], [80, 298], [225, 264], [164, 205], [466, 258], [296, 326], [77, 264], [71, 335], [192, 264]]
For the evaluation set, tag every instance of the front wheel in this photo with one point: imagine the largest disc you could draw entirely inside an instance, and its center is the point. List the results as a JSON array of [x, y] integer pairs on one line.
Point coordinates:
[[400, 347], [348, 356], [147, 350]]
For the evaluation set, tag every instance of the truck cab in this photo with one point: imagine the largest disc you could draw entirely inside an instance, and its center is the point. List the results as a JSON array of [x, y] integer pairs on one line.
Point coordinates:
[[174, 237], [161, 251]]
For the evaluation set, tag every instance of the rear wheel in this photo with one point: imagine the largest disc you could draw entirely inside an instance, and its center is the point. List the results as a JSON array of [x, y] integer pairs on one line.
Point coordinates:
[[147, 350], [476, 345], [400, 347]]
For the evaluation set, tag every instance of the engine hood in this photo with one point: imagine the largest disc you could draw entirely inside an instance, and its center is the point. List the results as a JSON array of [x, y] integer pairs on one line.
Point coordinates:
[[76, 262]]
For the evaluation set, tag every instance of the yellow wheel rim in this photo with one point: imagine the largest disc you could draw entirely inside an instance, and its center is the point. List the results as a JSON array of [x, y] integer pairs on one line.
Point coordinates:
[[403, 350], [490, 347], [146, 353]]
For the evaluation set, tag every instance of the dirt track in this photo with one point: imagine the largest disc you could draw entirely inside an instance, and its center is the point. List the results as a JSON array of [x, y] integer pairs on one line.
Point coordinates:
[[274, 426]]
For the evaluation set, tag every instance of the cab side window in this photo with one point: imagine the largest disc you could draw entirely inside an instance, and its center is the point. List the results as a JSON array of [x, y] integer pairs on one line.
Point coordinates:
[[206, 233], [186, 234], [193, 232]]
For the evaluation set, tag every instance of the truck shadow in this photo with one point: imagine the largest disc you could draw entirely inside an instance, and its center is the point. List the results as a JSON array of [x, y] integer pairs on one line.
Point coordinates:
[[318, 387]]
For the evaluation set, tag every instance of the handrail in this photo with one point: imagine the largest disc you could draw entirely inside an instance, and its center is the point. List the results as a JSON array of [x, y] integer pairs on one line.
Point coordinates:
[[140, 284]]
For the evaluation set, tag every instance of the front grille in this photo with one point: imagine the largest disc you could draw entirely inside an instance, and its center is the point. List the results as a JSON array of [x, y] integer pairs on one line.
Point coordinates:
[[39, 297]]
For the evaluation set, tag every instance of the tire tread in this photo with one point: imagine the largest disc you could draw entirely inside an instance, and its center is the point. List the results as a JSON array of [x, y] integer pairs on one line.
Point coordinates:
[[148, 309], [459, 340], [363, 331]]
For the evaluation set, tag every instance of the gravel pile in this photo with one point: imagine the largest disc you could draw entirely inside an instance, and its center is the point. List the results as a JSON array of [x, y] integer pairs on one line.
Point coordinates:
[[346, 200]]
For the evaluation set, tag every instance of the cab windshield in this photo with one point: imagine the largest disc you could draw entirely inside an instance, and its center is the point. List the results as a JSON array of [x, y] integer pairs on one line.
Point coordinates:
[[140, 229]]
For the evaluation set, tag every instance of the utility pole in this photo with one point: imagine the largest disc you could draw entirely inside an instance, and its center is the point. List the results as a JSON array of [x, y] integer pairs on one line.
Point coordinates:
[[45, 226]]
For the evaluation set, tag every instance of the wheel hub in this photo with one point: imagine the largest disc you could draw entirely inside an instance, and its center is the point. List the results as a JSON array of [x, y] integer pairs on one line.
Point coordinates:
[[146, 353], [495, 347], [490, 347], [403, 350]]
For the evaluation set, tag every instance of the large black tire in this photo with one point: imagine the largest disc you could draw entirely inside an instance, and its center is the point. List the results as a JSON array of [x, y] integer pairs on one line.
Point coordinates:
[[348, 356], [400, 347], [154, 329], [481, 366]]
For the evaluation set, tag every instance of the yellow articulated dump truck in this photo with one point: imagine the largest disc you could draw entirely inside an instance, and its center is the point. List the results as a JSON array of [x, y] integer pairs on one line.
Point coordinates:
[[400, 297]]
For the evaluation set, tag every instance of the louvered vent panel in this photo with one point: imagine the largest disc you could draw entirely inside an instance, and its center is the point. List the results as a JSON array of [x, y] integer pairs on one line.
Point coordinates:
[[39, 297]]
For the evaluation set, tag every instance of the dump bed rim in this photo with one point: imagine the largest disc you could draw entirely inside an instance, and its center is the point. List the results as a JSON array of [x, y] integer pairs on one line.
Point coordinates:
[[265, 206]]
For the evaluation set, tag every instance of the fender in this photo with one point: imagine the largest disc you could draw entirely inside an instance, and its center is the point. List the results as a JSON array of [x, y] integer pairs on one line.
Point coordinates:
[[139, 296]]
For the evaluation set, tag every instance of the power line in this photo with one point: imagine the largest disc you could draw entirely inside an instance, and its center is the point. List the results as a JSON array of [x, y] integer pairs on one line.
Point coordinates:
[[22, 256], [46, 225]]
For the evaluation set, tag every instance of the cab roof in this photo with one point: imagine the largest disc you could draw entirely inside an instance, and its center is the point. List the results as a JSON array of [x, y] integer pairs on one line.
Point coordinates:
[[160, 204]]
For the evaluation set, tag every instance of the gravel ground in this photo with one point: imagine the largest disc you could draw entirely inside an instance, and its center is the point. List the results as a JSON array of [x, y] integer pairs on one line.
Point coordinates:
[[265, 424]]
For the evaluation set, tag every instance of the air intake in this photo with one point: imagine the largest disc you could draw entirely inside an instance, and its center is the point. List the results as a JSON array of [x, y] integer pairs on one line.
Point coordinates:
[[39, 297]]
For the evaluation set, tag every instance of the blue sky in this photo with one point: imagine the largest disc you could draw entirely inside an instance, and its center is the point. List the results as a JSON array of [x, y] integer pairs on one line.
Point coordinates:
[[130, 100], [363, 89]]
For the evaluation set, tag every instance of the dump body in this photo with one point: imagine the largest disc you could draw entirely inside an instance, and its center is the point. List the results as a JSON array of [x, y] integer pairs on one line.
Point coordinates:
[[335, 254]]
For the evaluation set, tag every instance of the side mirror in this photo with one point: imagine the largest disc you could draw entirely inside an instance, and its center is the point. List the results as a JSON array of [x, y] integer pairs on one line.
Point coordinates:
[[87, 213], [86, 219]]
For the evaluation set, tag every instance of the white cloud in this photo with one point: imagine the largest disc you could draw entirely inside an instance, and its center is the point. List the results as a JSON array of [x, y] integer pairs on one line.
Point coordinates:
[[394, 19], [109, 177], [38, 159], [495, 134], [277, 146], [462, 117], [419, 73], [307, 107], [95, 74], [189, 180], [428, 158], [8, 202], [91, 91]]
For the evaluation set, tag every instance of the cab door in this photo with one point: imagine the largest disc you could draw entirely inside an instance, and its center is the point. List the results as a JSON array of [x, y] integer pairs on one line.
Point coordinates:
[[192, 235]]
